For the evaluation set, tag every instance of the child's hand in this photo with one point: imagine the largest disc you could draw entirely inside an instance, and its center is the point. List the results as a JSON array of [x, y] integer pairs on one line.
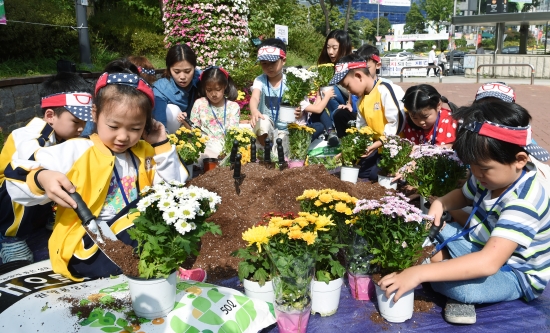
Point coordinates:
[[181, 117], [157, 133], [400, 283], [372, 149], [436, 210], [329, 93], [54, 184], [298, 112], [254, 116], [346, 106]]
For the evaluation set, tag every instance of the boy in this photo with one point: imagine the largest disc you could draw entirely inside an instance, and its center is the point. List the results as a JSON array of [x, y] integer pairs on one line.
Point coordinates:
[[267, 92], [379, 107], [66, 105], [505, 258]]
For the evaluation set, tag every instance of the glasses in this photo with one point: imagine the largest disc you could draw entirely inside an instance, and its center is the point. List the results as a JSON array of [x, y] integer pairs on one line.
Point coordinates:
[[268, 50], [83, 99], [493, 86]]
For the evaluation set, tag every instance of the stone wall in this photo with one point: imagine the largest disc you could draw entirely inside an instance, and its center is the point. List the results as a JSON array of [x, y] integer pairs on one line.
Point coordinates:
[[541, 63]]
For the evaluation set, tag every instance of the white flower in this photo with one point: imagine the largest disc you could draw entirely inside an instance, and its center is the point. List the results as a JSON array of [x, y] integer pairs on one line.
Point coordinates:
[[182, 226], [165, 203], [170, 215], [143, 204]]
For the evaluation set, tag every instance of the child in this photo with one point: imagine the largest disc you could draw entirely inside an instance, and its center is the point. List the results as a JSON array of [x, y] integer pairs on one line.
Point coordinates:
[[348, 113], [380, 106], [427, 121], [217, 110], [316, 116], [66, 102], [108, 170], [505, 258], [177, 90], [267, 92]]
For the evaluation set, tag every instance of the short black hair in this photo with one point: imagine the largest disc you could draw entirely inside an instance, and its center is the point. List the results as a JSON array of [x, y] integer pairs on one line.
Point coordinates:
[[63, 82], [473, 148], [344, 46], [274, 42], [177, 53], [366, 51], [420, 97], [353, 57]]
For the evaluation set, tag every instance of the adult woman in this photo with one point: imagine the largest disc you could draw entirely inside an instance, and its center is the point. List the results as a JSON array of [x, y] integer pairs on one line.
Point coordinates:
[[337, 45], [177, 90]]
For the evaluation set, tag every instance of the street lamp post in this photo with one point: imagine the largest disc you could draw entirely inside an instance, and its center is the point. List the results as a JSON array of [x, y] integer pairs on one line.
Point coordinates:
[[451, 34], [378, 19]]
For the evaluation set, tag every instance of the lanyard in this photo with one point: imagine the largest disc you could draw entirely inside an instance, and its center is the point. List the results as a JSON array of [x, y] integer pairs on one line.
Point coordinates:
[[276, 115], [224, 115], [432, 141], [474, 210], [119, 182]]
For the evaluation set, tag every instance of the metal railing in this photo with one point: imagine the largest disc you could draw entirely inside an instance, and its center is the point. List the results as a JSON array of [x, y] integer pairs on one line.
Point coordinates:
[[506, 65], [435, 67]]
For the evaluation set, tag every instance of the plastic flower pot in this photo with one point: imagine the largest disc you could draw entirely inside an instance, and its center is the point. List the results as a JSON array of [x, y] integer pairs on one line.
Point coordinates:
[[362, 287], [286, 114], [293, 321], [296, 163], [325, 298], [189, 168], [209, 163], [323, 89], [253, 289], [392, 311], [385, 181], [423, 207], [349, 174], [152, 298]]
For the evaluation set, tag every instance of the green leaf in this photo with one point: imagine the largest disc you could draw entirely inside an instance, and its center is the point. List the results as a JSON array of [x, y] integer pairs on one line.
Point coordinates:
[[111, 329]]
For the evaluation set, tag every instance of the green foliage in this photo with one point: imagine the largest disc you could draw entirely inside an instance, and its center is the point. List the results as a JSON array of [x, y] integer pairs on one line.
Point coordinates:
[[255, 265], [395, 154], [29, 41], [383, 27], [461, 43], [329, 162], [437, 11], [305, 41], [354, 144], [143, 42], [415, 23]]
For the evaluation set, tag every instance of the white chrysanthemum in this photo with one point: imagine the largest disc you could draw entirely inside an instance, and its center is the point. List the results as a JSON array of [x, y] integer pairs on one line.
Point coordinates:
[[143, 204], [182, 226], [180, 192], [170, 215], [187, 210], [166, 202], [146, 189]]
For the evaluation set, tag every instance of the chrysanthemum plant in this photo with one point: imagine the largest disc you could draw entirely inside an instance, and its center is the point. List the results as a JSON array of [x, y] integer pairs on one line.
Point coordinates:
[[354, 144], [171, 222], [299, 138], [325, 72], [190, 143], [299, 82], [286, 240], [256, 265], [394, 231], [339, 206], [243, 135], [434, 171], [395, 154]]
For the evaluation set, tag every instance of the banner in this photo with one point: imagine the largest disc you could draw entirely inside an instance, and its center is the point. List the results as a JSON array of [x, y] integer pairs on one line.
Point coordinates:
[[415, 37], [393, 67], [402, 3], [2, 13], [281, 32]]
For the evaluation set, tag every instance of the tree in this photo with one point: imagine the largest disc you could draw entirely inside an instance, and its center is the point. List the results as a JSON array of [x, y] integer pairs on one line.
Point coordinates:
[[437, 11], [348, 11], [383, 28], [415, 23]]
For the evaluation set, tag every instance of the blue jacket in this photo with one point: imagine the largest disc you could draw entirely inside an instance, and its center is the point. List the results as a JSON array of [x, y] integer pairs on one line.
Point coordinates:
[[168, 92]]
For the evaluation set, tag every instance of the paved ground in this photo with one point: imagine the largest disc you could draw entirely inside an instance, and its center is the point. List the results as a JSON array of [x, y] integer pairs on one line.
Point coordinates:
[[461, 91]]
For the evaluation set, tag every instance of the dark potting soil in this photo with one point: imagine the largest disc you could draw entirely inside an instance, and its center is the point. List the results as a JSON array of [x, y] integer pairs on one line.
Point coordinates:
[[262, 191]]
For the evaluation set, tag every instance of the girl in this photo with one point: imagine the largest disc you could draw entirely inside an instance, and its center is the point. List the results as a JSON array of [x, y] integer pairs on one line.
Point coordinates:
[[315, 116], [145, 68], [177, 90], [108, 170], [337, 45], [505, 258], [217, 110], [427, 121]]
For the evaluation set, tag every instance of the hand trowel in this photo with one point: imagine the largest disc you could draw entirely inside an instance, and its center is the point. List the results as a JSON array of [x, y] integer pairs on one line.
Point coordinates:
[[434, 229], [100, 230]]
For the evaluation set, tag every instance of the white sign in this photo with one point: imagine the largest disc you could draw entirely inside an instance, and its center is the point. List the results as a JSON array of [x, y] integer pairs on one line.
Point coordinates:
[[378, 38], [403, 3], [84, 2], [281, 32], [393, 68], [415, 37]]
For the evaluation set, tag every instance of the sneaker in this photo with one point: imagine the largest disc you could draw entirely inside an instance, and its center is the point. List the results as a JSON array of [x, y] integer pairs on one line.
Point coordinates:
[[197, 274], [16, 251], [333, 140], [459, 313]]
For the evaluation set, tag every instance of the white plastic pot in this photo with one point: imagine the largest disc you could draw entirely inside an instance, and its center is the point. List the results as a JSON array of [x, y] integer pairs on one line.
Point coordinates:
[[190, 170], [395, 312], [325, 297], [152, 298], [422, 207], [286, 114], [385, 181], [349, 174], [254, 290]]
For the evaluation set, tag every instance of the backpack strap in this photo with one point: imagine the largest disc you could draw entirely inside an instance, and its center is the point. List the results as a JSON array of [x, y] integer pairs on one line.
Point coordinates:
[[401, 113]]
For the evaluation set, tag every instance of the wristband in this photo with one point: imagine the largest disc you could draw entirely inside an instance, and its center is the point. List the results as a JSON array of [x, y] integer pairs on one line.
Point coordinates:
[[36, 179], [160, 143]]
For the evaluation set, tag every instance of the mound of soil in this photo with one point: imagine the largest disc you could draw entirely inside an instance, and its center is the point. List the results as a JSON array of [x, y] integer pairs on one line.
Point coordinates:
[[263, 190]]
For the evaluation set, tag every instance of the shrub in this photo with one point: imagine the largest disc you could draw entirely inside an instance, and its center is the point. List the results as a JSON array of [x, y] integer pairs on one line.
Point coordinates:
[[305, 42]]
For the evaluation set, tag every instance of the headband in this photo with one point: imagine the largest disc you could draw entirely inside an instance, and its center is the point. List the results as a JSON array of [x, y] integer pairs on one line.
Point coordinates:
[[342, 69], [271, 53], [77, 103], [132, 80], [226, 73], [374, 57], [498, 90], [142, 70], [520, 136]]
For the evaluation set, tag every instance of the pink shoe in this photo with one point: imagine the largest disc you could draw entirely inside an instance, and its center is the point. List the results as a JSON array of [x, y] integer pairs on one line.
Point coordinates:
[[197, 274]]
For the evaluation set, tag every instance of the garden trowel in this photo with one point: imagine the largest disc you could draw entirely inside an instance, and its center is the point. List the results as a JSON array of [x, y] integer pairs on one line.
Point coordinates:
[[434, 229], [100, 230]]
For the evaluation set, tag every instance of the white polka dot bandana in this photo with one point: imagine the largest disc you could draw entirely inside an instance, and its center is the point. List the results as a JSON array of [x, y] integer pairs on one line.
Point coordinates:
[[270, 53], [520, 136], [342, 69], [77, 103], [498, 90], [148, 71], [132, 80]]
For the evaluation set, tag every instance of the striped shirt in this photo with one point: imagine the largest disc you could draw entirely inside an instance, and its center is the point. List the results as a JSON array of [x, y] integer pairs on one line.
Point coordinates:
[[522, 216]]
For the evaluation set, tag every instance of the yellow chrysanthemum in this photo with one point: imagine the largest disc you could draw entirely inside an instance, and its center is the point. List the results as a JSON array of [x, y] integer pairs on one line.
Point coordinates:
[[198, 144], [295, 234], [308, 194], [256, 235], [272, 231], [322, 222], [351, 221], [301, 221], [309, 237], [341, 207], [318, 203], [325, 198]]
